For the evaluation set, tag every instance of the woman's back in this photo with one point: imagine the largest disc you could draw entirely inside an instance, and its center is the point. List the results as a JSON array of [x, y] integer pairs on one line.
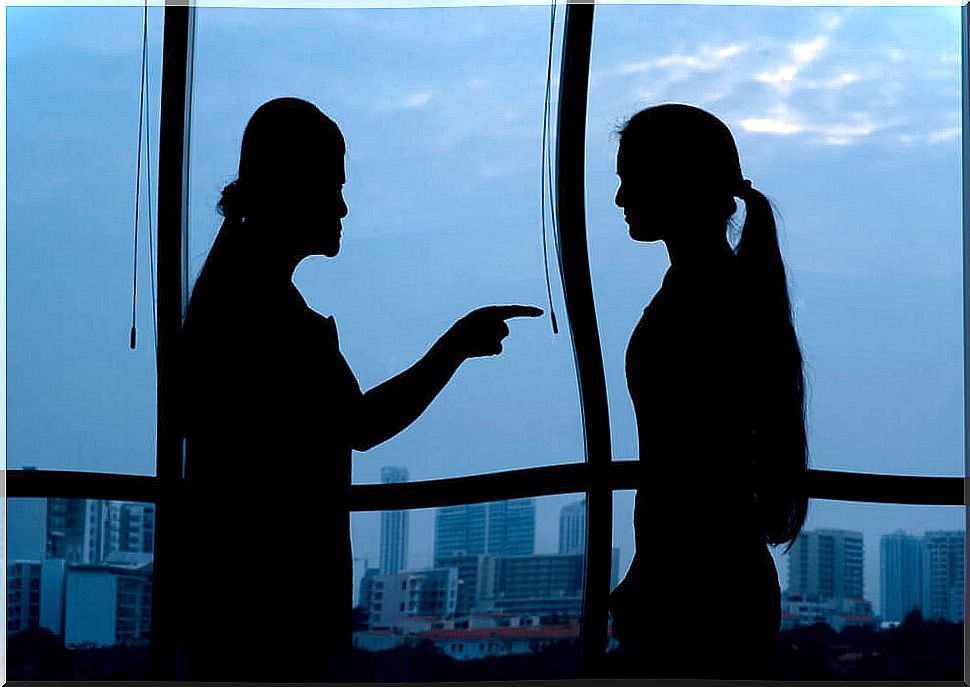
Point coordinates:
[[698, 539], [687, 373]]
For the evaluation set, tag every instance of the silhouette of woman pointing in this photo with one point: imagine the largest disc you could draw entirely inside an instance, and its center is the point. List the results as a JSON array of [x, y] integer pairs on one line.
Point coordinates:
[[714, 370], [272, 412]]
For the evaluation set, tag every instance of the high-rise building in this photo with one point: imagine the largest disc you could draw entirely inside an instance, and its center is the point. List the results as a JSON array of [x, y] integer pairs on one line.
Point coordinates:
[[469, 567], [120, 589], [943, 575], [132, 527], [394, 528], [23, 595], [35, 595], [460, 530], [499, 528], [572, 528], [827, 564], [88, 530], [536, 584], [26, 529], [511, 527], [900, 575], [66, 525], [367, 586], [403, 596]]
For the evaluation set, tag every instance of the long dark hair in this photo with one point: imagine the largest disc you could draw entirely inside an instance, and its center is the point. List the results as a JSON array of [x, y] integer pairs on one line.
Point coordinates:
[[698, 149]]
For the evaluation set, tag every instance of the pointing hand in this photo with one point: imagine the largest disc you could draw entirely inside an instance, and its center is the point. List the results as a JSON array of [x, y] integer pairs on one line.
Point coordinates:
[[480, 332]]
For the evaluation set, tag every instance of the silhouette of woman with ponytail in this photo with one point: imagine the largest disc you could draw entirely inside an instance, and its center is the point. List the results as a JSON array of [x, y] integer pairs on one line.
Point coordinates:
[[271, 412], [714, 370]]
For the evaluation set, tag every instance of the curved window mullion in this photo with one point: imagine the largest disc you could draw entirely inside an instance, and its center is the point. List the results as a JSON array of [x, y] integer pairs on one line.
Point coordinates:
[[581, 312], [172, 298]]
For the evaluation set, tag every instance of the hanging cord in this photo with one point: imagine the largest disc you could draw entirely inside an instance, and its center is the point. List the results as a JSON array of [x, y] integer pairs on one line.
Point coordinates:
[[554, 207], [141, 116], [148, 180], [547, 170]]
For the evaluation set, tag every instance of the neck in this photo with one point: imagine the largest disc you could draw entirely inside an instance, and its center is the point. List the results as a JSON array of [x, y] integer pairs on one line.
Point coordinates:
[[712, 250], [269, 264]]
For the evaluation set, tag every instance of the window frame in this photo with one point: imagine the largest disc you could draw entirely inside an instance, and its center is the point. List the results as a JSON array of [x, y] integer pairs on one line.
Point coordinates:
[[598, 477]]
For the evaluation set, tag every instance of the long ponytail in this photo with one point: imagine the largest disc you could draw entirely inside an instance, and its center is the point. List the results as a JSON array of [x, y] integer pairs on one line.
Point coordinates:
[[780, 456]]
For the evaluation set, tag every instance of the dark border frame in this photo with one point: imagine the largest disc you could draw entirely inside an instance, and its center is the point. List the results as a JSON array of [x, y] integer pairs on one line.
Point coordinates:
[[598, 477]]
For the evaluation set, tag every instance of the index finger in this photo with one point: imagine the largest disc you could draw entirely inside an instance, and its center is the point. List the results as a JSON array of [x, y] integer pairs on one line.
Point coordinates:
[[509, 311]]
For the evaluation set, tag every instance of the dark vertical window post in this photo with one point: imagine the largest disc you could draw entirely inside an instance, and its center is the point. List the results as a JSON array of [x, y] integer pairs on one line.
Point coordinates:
[[965, 78], [578, 291], [172, 282]]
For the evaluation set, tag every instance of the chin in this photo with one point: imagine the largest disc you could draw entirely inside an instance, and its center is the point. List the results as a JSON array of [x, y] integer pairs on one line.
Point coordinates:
[[644, 236]]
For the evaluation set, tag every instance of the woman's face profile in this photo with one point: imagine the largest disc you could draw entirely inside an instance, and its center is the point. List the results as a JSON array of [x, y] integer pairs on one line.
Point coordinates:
[[632, 197], [317, 211]]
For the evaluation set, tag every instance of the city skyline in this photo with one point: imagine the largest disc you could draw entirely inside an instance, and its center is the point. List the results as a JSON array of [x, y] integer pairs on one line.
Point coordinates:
[[825, 582]]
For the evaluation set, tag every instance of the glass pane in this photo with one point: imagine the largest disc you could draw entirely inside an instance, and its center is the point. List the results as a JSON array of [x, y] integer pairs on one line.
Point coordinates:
[[78, 398], [443, 188], [477, 592], [849, 119], [79, 585]]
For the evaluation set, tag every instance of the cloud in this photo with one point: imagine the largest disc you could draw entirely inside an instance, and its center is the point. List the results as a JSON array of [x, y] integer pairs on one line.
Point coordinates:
[[782, 120], [771, 125], [706, 59], [943, 135], [417, 99], [833, 22], [897, 55], [805, 53], [778, 76], [932, 138], [845, 134], [843, 79]]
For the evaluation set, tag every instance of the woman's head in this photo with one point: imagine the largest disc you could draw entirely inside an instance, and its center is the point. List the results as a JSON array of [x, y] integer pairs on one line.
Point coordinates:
[[678, 167], [291, 174]]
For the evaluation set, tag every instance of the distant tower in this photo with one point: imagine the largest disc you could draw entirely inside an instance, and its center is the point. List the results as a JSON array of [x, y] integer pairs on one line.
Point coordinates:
[[900, 574], [572, 528], [511, 527], [394, 528], [827, 564], [943, 571], [66, 528], [500, 528]]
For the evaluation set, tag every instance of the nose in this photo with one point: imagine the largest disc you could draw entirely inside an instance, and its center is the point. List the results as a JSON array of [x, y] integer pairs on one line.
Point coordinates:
[[619, 197], [342, 208]]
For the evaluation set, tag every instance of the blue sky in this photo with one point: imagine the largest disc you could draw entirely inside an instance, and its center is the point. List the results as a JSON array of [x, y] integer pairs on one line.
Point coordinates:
[[848, 118]]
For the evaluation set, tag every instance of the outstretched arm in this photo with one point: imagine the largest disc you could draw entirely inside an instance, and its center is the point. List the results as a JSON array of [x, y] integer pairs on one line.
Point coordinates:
[[389, 408]]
